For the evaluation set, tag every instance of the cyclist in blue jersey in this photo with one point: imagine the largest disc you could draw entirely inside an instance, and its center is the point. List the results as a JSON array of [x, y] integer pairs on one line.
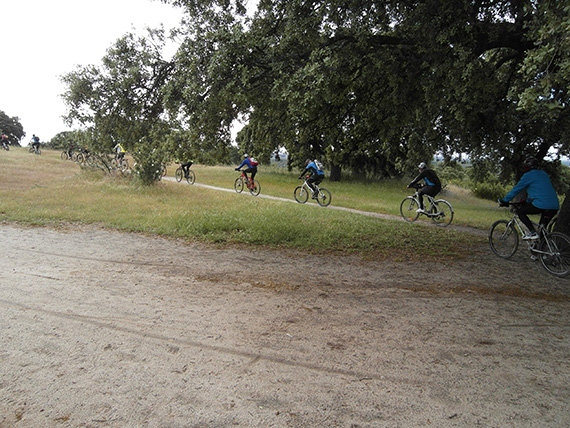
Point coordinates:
[[251, 164], [432, 184], [35, 142], [541, 197], [315, 173]]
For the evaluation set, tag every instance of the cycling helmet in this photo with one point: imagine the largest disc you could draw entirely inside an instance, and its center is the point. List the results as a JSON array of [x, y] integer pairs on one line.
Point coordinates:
[[308, 161], [530, 163], [245, 156], [422, 165]]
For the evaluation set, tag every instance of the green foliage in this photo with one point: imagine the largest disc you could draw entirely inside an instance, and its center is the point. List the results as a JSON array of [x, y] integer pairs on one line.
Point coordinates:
[[12, 127], [452, 172], [489, 191], [149, 155]]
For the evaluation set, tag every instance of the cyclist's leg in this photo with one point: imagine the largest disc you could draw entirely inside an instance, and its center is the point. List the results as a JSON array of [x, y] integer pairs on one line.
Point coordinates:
[[524, 212], [253, 171], [547, 216], [311, 182], [423, 191]]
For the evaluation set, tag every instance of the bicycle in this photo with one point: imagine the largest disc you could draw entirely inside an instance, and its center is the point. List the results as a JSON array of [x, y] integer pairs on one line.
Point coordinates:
[[322, 195], [180, 174], [243, 181], [551, 248], [5, 146], [121, 164], [439, 211], [35, 150], [84, 158], [67, 154]]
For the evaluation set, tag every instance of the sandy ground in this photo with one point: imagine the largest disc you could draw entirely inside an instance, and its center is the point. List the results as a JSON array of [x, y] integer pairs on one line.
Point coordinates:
[[107, 329]]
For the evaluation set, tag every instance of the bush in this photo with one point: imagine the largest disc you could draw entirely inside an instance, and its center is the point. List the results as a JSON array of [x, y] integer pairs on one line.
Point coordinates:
[[489, 191], [149, 160]]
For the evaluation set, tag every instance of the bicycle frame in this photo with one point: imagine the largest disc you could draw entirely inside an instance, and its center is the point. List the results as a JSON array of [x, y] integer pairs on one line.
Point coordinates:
[[302, 192], [439, 211], [551, 248], [252, 185]]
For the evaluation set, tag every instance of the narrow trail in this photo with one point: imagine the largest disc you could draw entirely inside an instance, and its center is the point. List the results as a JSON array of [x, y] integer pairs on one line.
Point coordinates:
[[465, 229]]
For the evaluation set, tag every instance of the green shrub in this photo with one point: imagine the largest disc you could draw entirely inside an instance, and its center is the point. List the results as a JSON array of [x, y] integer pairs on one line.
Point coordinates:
[[489, 191]]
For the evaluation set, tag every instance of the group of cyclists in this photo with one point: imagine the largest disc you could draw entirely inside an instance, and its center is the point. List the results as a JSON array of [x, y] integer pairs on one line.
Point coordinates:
[[540, 196], [5, 142]]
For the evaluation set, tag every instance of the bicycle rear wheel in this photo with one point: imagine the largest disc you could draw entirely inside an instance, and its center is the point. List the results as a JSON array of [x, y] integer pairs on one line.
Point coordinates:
[[124, 167], [503, 239], [324, 197], [300, 194], [238, 185], [408, 209], [443, 213], [255, 189], [191, 179], [556, 257]]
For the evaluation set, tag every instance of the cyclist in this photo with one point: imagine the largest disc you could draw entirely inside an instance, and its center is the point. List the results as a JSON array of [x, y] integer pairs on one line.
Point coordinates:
[[119, 153], [35, 142], [251, 164], [5, 141], [432, 184], [185, 167], [315, 172], [541, 197]]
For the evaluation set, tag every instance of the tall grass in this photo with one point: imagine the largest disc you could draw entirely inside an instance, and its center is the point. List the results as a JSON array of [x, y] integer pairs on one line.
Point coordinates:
[[44, 190]]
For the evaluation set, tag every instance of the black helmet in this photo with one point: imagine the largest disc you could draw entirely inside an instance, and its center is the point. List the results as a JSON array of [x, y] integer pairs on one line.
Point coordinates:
[[308, 161], [530, 163]]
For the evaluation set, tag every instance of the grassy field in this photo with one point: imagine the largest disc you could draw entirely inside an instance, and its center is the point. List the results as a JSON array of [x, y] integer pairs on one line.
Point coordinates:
[[44, 190]]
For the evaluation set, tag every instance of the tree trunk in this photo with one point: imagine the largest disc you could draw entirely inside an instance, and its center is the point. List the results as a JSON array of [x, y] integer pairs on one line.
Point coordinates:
[[335, 173], [563, 222]]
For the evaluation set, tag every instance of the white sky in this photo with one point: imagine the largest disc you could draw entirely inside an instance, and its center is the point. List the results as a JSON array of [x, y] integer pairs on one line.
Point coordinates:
[[43, 40]]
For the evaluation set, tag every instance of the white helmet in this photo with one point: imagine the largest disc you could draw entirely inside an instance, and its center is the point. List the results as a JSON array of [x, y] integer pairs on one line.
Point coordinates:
[[422, 165], [246, 155]]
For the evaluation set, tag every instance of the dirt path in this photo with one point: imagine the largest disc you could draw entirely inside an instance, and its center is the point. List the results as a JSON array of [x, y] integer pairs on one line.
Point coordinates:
[[106, 329]]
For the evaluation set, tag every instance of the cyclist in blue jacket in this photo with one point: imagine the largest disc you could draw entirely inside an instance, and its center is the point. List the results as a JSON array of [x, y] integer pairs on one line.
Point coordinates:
[[251, 164], [315, 174], [432, 184], [541, 196]]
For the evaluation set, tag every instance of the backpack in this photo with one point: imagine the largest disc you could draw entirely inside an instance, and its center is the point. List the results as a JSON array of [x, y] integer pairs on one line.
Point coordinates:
[[319, 165], [253, 161]]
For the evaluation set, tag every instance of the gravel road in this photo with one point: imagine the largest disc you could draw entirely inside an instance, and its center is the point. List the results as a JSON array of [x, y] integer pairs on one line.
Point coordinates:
[[108, 329]]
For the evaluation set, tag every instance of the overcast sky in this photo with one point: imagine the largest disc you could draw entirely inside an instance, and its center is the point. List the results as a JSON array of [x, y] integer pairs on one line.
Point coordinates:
[[44, 39]]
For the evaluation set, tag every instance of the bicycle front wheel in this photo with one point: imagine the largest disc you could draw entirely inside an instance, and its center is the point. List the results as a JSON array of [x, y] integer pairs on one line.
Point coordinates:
[[191, 179], [124, 165], [409, 209], [503, 239], [300, 194], [64, 156], [179, 174], [238, 185], [443, 213], [324, 197], [555, 254]]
